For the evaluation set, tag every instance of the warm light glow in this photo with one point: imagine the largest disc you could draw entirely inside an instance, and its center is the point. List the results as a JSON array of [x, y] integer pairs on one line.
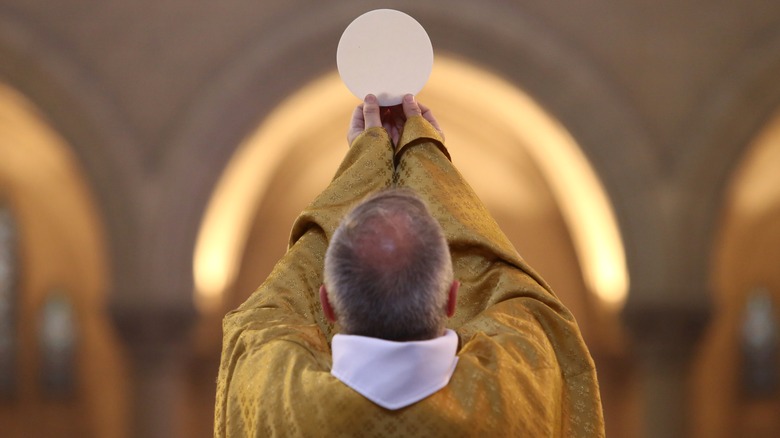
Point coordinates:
[[62, 245], [758, 183], [579, 193], [489, 120], [241, 189]]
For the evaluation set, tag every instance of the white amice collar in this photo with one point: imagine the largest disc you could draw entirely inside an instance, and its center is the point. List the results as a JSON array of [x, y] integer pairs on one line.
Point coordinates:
[[394, 374]]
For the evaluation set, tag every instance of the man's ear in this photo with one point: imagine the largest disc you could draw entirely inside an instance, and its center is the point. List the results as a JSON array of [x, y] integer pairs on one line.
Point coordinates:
[[452, 298], [327, 309]]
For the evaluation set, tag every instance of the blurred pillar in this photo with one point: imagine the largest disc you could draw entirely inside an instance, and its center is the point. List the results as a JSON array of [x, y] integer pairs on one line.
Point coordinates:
[[156, 341], [664, 342]]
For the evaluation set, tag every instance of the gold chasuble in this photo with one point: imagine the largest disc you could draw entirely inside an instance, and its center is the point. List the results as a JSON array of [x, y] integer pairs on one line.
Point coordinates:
[[523, 368]]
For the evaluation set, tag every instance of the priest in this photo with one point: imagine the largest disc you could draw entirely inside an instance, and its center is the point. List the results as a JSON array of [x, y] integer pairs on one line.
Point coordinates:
[[401, 309]]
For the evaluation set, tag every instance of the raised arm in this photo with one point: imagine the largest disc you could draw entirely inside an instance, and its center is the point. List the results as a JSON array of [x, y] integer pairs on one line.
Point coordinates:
[[286, 306], [501, 296], [293, 284], [423, 164]]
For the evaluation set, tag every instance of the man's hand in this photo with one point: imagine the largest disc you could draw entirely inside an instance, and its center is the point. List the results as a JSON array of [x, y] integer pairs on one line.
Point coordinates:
[[412, 108], [365, 116]]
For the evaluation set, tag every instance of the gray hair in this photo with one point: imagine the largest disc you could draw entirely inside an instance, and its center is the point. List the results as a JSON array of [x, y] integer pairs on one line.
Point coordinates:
[[388, 269]]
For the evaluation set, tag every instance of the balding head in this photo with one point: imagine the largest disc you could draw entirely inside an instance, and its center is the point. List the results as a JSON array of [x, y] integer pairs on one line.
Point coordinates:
[[388, 269]]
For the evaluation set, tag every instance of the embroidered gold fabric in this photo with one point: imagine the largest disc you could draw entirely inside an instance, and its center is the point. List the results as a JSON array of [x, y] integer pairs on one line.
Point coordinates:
[[524, 369]]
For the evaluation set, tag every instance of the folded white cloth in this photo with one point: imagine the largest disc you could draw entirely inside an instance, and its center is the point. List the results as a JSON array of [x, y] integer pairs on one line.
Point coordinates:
[[394, 374]]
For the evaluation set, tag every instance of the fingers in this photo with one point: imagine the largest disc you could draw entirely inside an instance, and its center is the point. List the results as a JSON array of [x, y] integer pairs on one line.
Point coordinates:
[[371, 114], [428, 115], [357, 119], [356, 125]]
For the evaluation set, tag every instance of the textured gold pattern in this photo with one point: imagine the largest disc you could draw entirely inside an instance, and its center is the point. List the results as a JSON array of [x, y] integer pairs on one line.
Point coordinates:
[[524, 369]]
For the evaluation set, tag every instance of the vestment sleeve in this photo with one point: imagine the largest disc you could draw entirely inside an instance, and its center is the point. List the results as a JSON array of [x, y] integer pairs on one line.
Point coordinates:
[[286, 306], [423, 164], [501, 296]]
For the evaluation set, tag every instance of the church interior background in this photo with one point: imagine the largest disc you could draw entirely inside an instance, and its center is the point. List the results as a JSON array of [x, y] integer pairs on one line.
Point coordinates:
[[153, 155]]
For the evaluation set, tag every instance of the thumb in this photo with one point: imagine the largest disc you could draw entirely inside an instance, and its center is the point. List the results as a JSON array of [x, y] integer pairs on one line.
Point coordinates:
[[371, 113], [411, 108]]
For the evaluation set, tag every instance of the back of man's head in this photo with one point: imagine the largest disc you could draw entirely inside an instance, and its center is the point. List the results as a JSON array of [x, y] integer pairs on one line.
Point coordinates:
[[388, 269]]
